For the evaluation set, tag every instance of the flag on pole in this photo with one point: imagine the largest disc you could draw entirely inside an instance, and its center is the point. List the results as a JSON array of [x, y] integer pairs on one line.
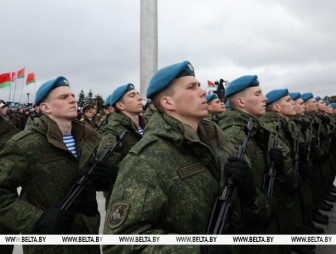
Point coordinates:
[[5, 80], [30, 78], [211, 85], [13, 76], [21, 73]]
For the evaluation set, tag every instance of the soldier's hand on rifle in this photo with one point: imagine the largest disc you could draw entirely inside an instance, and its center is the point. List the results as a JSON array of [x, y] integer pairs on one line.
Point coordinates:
[[277, 157], [54, 221], [241, 175], [101, 176]]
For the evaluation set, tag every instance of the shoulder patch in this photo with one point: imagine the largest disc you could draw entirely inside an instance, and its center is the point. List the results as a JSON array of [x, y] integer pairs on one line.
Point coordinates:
[[108, 143], [117, 215]]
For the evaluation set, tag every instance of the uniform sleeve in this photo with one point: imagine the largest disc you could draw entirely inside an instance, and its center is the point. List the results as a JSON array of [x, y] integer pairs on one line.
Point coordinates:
[[15, 213], [137, 206]]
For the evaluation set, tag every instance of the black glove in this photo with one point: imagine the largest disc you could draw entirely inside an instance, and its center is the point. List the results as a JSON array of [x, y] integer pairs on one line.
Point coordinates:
[[54, 221], [241, 175], [303, 151], [278, 159], [101, 176]]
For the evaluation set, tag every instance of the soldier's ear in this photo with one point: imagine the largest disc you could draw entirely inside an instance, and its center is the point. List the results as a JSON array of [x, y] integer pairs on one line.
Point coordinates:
[[120, 106], [240, 102], [167, 102], [44, 107]]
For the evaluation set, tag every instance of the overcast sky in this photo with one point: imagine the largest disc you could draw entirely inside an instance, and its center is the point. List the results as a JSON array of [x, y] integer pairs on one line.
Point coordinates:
[[95, 44]]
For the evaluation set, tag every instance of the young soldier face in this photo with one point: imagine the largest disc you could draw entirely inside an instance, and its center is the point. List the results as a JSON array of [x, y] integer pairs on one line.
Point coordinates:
[[216, 106], [188, 99], [320, 106], [60, 103], [131, 102], [286, 105], [311, 105], [89, 113], [254, 101], [299, 107]]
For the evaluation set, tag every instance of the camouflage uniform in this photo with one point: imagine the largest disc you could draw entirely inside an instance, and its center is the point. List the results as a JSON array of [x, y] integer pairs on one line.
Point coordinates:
[[118, 122], [6, 132], [167, 183], [289, 210], [148, 113], [37, 160], [261, 221]]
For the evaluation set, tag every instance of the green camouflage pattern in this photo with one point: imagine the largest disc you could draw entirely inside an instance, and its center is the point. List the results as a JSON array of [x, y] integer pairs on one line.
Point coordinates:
[[118, 122], [289, 211], [260, 220], [167, 184], [37, 160]]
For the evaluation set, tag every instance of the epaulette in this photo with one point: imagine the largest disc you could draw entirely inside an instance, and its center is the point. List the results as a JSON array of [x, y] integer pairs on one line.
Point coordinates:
[[143, 143], [22, 134]]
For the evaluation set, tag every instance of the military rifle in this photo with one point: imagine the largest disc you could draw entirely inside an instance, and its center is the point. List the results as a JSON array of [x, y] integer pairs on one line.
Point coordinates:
[[270, 177], [86, 180], [222, 208], [297, 149]]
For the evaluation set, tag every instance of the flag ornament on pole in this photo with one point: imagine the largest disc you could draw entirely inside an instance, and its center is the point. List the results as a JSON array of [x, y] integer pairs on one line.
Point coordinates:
[[5, 80], [30, 78], [21, 73], [211, 85]]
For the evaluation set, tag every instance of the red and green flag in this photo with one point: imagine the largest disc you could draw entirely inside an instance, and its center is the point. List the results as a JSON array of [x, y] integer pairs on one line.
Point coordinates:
[[30, 78], [21, 73], [5, 80], [211, 85], [13, 77]]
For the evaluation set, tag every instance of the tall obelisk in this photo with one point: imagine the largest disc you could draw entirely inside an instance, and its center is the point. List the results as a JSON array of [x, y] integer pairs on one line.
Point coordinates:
[[148, 43]]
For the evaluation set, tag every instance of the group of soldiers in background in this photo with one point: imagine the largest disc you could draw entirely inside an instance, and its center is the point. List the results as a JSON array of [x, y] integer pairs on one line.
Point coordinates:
[[176, 160]]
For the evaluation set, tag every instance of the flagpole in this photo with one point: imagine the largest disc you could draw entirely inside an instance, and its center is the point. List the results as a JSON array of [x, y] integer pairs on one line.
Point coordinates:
[[22, 88], [14, 90], [10, 91]]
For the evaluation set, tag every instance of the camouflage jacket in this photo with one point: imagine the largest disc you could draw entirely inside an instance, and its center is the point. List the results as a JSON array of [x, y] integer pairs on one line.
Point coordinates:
[[233, 124], [167, 184], [38, 161], [288, 213], [6, 131]]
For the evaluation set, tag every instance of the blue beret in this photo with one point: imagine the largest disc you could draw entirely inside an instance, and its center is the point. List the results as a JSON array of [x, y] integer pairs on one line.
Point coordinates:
[[227, 104], [333, 104], [306, 96], [241, 83], [107, 101], [326, 102], [295, 95], [46, 87], [318, 98], [210, 97], [165, 76], [275, 95], [119, 92]]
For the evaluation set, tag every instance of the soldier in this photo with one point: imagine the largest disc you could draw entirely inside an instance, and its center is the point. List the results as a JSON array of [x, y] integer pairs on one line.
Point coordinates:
[[87, 117], [167, 182], [149, 110], [216, 107], [316, 155], [290, 190], [108, 111], [45, 160], [128, 107], [248, 102], [6, 132]]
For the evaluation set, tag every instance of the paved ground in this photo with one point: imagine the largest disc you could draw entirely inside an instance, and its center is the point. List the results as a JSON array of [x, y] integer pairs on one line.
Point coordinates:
[[322, 249]]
